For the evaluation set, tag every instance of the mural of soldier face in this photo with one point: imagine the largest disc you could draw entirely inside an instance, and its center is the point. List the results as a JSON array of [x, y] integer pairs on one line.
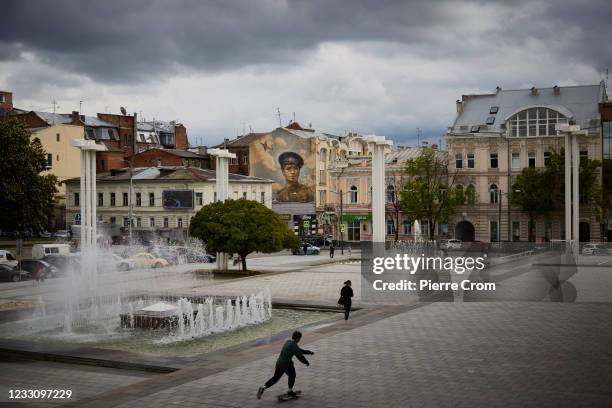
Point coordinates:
[[291, 172]]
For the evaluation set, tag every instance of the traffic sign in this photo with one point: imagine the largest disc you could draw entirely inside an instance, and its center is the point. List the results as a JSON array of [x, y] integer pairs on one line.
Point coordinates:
[[343, 227], [306, 224]]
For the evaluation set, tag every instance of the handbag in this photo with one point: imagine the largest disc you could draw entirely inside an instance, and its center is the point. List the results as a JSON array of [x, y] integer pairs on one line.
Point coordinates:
[[341, 301]]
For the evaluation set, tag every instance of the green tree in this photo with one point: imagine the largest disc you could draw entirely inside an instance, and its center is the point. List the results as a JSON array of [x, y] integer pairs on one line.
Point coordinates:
[[241, 227], [430, 192], [534, 194], [27, 197]]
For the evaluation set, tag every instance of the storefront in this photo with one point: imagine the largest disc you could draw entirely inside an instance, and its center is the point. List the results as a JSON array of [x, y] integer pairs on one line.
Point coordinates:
[[356, 226]]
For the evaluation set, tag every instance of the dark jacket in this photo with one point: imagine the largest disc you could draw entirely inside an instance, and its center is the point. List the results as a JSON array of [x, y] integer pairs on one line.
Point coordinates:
[[290, 349], [346, 293]]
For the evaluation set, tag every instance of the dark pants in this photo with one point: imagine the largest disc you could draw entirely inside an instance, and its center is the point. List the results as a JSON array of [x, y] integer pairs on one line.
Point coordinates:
[[331, 254], [347, 310], [278, 373]]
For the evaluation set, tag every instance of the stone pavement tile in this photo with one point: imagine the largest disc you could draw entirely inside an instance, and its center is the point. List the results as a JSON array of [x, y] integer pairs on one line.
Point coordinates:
[[444, 354]]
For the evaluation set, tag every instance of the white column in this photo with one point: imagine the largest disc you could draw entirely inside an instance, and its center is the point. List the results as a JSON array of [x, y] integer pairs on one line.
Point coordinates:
[[568, 190], [576, 191], [377, 145], [222, 157]]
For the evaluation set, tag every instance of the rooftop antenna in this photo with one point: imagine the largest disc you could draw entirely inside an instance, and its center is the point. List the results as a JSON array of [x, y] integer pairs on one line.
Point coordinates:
[[54, 102], [606, 78], [293, 116], [80, 106], [418, 137], [280, 123]]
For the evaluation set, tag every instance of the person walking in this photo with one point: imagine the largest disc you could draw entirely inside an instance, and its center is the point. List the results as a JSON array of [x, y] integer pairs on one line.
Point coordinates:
[[346, 293], [284, 364], [305, 248], [331, 251]]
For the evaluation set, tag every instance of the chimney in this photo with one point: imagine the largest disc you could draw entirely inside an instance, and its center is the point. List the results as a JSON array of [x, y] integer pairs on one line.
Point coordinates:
[[459, 106], [434, 146], [225, 142], [76, 119], [556, 90], [534, 90]]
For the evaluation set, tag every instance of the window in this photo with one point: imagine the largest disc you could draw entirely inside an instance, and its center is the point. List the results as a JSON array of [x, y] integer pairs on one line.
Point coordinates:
[[112, 199], [490, 120], [77, 199], [493, 110], [607, 140], [322, 197], [531, 229], [475, 129], [354, 233], [470, 160], [57, 137], [516, 160], [125, 199], [180, 222], [245, 159], [199, 199], [493, 194], [138, 222], [390, 194], [546, 158], [244, 195], [584, 156], [49, 160], [151, 199], [535, 122], [321, 176], [547, 230], [138, 200], [390, 226], [100, 199], [152, 222], [113, 220], [166, 222], [493, 160], [406, 228], [353, 195], [531, 158], [459, 161], [424, 227], [215, 197], [494, 237], [263, 197], [516, 231], [470, 194], [126, 222]]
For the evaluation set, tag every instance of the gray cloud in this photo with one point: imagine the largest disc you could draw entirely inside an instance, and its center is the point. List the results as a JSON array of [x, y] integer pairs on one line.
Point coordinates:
[[117, 41]]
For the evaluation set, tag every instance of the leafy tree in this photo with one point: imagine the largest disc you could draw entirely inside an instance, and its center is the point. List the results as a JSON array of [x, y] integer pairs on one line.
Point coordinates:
[[534, 193], [27, 197], [241, 226], [430, 192], [393, 198]]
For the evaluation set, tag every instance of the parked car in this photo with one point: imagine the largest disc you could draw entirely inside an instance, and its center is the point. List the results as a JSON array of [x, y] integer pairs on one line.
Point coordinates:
[[596, 249], [61, 234], [450, 244], [310, 249], [146, 260], [48, 270], [171, 255], [119, 263], [45, 234], [191, 255], [13, 274], [64, 263], [7, 258]]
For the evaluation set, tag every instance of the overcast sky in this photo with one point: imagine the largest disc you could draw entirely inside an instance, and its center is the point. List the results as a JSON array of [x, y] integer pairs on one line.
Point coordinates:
[[221, 67]]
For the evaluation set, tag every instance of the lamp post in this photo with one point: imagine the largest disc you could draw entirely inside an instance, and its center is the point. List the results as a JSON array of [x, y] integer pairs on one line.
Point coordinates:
[[341, 193], [500, 194], [130, 206]]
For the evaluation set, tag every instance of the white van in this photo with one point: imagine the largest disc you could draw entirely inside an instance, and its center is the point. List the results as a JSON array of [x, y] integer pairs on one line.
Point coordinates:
[[39, 251], [7, 258]]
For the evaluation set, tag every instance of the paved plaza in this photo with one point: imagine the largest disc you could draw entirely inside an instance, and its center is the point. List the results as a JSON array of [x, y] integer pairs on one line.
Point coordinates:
[[518, 350]]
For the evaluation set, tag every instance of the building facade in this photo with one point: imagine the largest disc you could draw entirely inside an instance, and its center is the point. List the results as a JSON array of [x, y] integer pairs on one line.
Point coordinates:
[[163, 199], [495, 136]]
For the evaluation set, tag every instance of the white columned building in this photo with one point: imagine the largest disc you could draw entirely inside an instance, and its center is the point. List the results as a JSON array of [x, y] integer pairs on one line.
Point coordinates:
[[377, 145], [88, 204], [222, 157]]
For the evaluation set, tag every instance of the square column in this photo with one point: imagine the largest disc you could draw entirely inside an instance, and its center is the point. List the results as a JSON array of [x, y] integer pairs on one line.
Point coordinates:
[[222, 157], [377, 145]]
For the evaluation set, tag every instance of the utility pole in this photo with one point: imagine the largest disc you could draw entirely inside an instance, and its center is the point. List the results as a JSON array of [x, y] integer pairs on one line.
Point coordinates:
[[418, 137], [278, 112]]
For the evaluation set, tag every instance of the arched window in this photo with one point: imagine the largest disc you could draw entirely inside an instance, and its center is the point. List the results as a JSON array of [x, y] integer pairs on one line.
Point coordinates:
[[390, 194], [460, 194], [470, 194], [493, 194], [342, 155], [353, 195], [535, 122]]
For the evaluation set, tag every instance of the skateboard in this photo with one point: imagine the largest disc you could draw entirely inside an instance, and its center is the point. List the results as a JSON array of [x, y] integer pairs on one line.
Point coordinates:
[[287, 397]]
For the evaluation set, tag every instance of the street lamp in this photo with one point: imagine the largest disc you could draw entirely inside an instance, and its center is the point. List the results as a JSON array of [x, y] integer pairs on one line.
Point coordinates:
[[499, 193], [341, 193]]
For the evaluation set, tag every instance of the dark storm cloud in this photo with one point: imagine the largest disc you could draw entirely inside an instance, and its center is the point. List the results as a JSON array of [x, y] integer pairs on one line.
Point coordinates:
[[117, 41]]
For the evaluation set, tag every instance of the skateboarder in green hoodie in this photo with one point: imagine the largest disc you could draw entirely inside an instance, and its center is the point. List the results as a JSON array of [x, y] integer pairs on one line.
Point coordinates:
[[284, 364]]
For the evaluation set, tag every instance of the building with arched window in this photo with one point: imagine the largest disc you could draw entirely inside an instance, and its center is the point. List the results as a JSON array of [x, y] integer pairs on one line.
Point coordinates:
[[495, 136]]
